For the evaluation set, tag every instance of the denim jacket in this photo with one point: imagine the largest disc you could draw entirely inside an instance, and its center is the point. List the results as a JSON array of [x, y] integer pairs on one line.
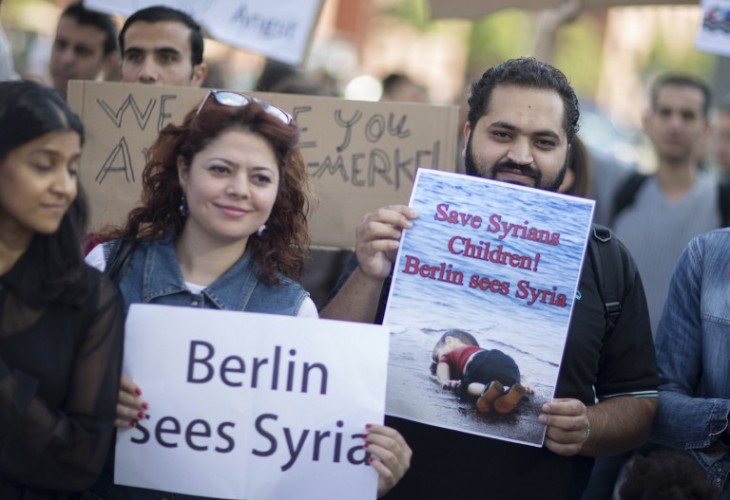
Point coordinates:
[[693, 354], [153, 276]]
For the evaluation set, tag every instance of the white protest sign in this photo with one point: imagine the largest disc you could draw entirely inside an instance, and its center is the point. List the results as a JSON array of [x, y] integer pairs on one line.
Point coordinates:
[[501, 263], [280, 30], [245, 405], [714, 34]]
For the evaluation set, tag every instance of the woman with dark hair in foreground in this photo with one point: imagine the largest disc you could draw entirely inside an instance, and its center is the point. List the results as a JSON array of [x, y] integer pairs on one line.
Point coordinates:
[[60, 320]]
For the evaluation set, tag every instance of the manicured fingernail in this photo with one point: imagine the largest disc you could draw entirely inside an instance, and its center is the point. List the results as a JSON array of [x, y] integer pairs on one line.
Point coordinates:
[[366, 445], [140, 415], [144, 406], [368, 426], [138, 391], [132, 423], [371, 459]]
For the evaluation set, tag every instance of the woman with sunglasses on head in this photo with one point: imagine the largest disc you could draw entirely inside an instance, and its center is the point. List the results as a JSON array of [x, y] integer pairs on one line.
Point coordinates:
[[223, 226], [60, 320]]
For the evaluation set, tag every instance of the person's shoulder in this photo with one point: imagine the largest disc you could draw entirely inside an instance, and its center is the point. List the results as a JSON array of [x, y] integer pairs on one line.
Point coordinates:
[[717, 241]]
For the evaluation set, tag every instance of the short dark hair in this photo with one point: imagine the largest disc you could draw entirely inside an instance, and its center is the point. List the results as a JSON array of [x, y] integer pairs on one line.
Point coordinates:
[[667, 474], [392, 80], [84, 16], [466, 337], [28, 111], [524, 72], [681, 80], [159, 14]]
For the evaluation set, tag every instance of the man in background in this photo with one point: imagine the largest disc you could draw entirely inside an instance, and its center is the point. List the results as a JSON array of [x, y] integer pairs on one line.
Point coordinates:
[[84, 48], [658, 216], [162, 46]]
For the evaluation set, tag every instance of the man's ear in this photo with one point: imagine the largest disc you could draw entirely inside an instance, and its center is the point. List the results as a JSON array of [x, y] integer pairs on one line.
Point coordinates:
[[112, 67], [467, 134], [200, 71]]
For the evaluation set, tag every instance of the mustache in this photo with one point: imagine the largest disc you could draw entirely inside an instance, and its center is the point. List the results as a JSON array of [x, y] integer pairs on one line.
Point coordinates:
[[509, 165]]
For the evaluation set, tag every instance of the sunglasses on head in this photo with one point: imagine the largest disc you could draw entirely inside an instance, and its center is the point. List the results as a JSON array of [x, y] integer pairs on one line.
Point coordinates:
[[234, 99]]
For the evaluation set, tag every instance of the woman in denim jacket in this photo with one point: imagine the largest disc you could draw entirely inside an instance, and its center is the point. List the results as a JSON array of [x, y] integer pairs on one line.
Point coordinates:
[[222, 225], [693, 354]]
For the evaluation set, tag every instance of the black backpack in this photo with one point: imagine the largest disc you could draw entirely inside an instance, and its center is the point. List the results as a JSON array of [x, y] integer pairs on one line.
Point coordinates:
[[605, 257], [626, 195]]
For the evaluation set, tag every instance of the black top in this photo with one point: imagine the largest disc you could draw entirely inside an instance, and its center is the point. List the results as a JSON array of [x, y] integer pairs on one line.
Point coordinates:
[[59, 378]]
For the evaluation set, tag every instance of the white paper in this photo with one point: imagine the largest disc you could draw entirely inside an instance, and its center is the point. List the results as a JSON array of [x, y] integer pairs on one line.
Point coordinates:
[[170, 352], [280, 30]]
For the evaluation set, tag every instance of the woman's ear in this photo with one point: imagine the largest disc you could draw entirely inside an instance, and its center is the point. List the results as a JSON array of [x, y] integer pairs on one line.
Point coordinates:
[[183, 172]]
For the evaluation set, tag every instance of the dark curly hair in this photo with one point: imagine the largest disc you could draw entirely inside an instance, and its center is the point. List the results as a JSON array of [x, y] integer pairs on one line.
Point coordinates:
[[524, 72], [282, 247], [669, 475]]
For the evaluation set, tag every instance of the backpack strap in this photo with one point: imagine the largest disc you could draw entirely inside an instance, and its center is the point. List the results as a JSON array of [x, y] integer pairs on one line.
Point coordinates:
[[723, 198], [608, 269], [625, 195]]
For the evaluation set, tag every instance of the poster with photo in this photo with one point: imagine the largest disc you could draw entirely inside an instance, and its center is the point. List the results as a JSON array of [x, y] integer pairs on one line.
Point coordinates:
[[491, 264]]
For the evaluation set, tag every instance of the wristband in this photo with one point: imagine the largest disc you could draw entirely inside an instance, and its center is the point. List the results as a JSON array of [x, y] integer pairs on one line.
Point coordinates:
[[587, 431]]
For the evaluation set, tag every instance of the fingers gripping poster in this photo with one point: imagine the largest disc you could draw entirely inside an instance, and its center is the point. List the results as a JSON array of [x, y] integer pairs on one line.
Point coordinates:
[[481, 299]]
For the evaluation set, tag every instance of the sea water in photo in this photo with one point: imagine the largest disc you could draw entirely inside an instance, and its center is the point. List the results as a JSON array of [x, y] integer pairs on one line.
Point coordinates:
[[526, 315]]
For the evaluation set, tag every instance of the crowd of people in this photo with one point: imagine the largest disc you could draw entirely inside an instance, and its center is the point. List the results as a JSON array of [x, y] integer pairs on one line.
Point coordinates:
[[222, 224]]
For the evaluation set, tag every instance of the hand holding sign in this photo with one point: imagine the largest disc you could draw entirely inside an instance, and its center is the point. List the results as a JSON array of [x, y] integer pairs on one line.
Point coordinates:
[[391, 455], [378, 236]]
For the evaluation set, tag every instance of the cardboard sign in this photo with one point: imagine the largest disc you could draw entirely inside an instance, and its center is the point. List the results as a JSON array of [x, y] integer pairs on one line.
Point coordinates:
[[360, 155], [257, 407], [280, 30], [470, 9], [501, 263], [714, 34]]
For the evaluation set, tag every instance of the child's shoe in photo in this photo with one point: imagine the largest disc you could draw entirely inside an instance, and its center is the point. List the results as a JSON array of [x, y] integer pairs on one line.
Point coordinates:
[[493, 391], [509, 401]]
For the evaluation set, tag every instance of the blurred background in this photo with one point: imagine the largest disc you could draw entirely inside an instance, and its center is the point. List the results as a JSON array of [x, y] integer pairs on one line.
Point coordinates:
[[609, 54]]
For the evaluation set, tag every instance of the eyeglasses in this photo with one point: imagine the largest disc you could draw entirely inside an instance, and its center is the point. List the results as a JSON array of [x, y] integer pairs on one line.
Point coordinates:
[[234, 99]]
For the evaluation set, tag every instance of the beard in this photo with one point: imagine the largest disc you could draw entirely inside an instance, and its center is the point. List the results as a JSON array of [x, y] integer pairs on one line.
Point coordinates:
[[486, 172]]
